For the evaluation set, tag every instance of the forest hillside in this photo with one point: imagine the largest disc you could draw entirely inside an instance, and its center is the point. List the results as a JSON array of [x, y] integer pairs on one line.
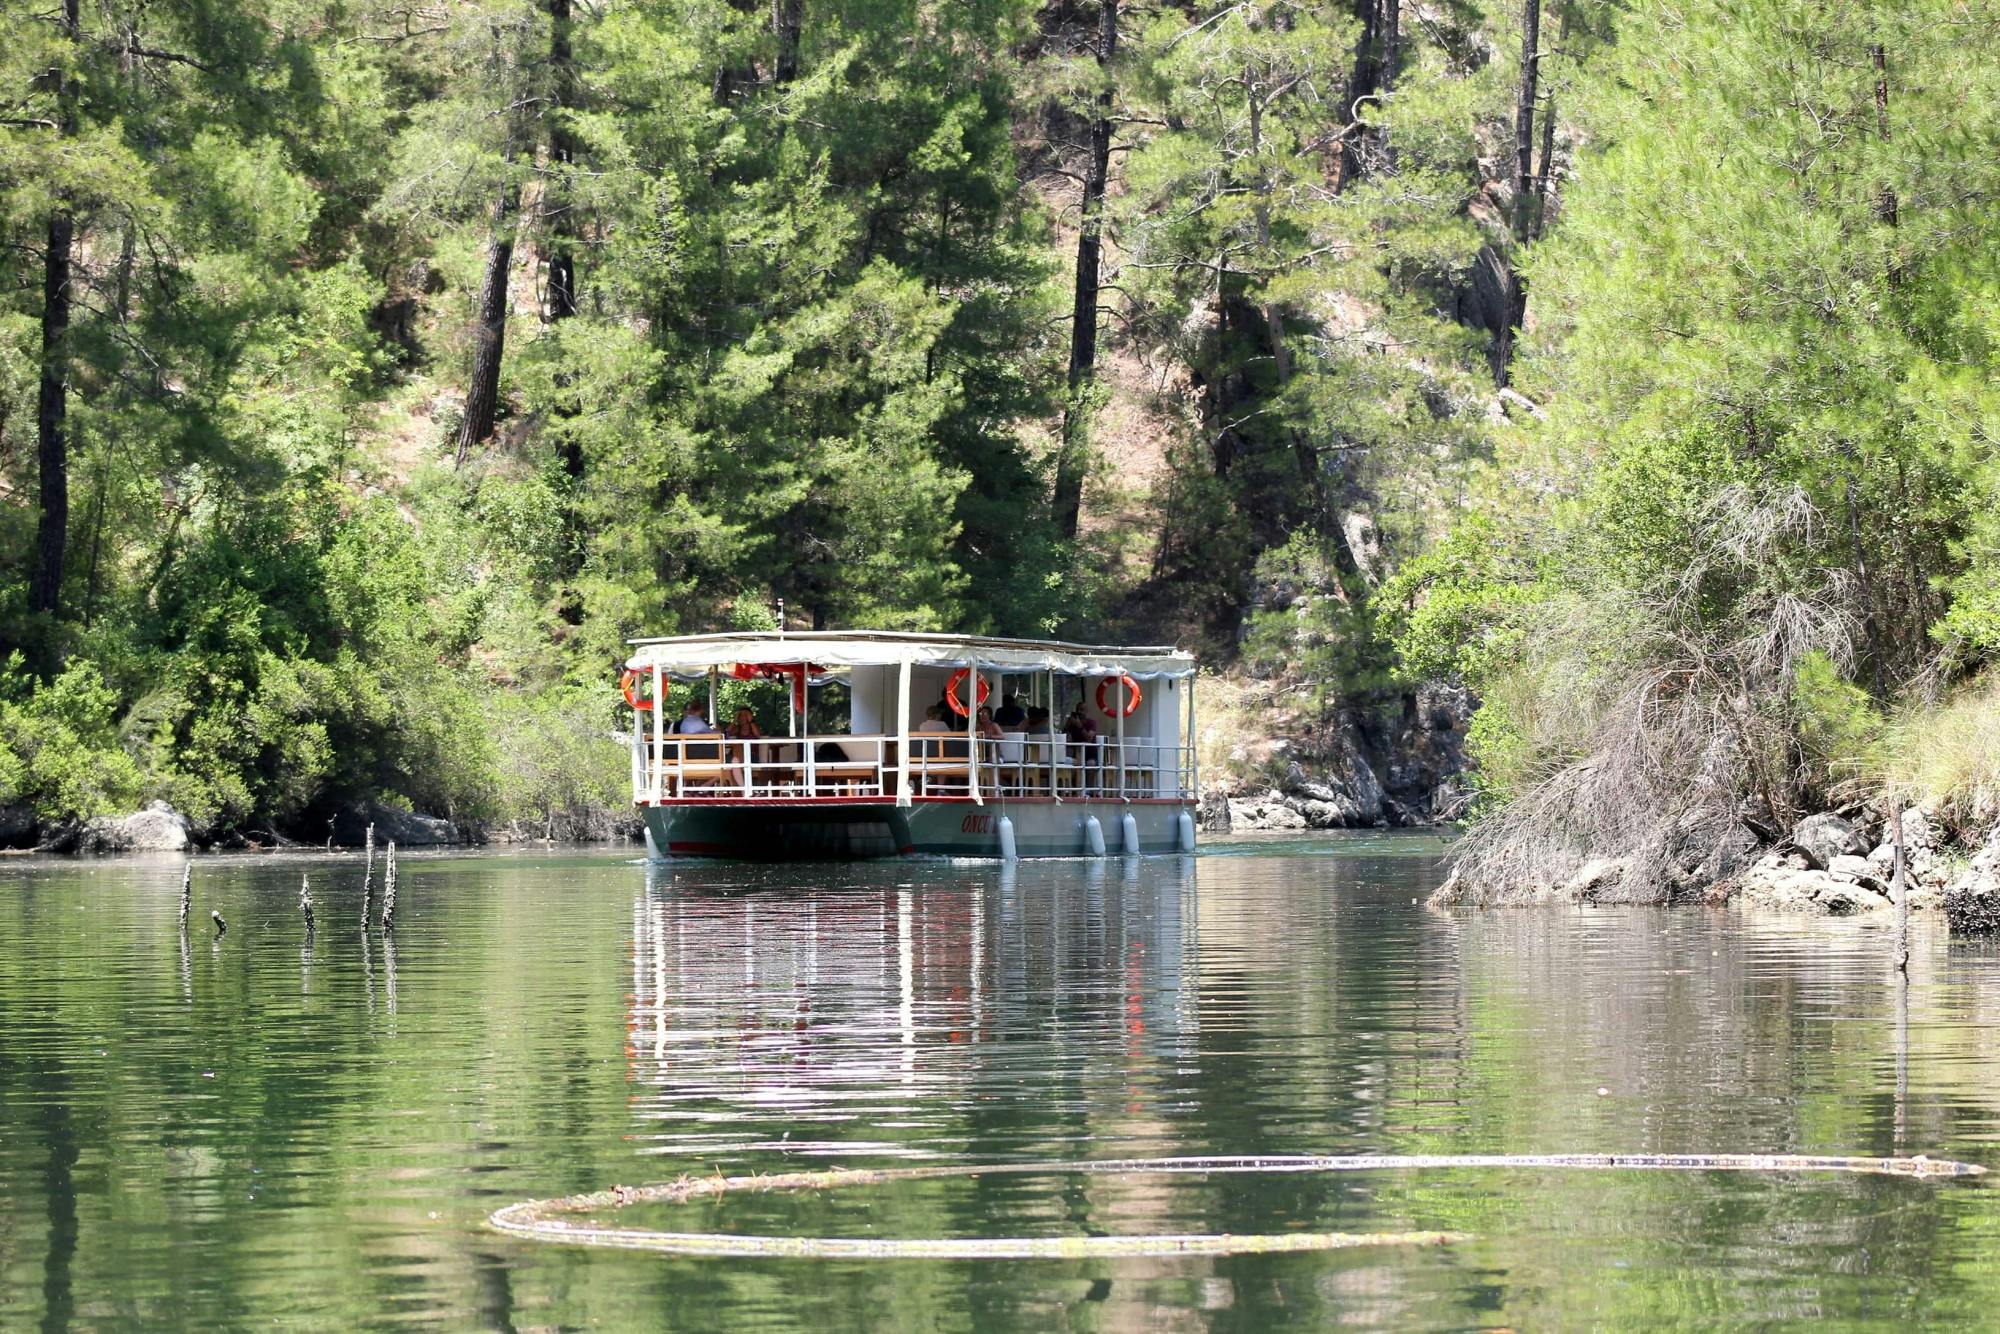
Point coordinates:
[[370, 371]]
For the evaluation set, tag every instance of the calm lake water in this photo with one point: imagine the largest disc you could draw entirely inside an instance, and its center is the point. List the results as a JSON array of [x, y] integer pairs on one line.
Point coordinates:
[[252, 1132]]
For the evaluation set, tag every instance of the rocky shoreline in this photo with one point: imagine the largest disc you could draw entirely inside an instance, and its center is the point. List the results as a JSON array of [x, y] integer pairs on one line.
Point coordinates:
[[161, 828], [1830, 864]]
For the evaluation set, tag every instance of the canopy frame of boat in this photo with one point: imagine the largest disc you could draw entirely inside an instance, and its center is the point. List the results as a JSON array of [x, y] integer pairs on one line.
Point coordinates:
[[888, 756]]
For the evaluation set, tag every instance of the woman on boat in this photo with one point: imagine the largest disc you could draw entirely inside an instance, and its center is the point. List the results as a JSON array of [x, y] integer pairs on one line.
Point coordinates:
[[985, 725], [744, 729]]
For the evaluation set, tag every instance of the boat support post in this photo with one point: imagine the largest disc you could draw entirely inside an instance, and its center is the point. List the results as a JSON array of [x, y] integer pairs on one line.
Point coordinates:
[[903, 733]]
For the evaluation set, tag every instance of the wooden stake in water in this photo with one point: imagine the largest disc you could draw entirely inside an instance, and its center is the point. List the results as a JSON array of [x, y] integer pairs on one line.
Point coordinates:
[[389, 889], [306, 902], [187, 894], [1899, 887], [367, 874]]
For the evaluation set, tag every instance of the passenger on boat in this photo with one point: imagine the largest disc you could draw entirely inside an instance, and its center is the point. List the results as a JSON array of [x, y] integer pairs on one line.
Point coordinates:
[[1010, 714], [1078, 727], [1038, 722], [694, 719], [1081, 733], [743, 729], [986, 726], [934, 720]]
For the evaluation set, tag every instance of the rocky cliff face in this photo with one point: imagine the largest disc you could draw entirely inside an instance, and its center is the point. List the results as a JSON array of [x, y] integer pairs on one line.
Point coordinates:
[[1390, 762]]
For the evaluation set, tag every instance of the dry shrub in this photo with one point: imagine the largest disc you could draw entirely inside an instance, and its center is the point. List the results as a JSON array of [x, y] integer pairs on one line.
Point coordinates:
[[1946, 755], [1660, 721]]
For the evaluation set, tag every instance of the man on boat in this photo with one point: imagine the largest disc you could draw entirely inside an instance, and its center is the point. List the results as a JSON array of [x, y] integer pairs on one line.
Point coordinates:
[[694, 720], [1011, 716]]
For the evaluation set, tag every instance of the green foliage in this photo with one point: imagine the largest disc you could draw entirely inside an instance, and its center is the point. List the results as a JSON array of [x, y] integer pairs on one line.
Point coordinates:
[[59, 751], [817, 354], [1839, 727]]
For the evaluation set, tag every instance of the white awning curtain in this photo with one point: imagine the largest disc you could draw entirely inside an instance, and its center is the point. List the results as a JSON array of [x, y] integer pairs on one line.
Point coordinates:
[[691, 656]]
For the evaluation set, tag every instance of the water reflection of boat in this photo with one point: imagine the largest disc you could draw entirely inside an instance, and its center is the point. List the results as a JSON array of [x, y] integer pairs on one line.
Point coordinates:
[[880, 999], [888, 780]]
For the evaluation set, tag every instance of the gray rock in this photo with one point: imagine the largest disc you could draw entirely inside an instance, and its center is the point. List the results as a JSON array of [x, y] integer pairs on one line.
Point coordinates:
[[406, 829], [1594, 881], [1213, 813], [1823, 837], [1327, 814], [1859, 871], [1923, 857], [158, 828], [1781, 882], [1269, 811], [1842, 900], [1972, 901], [17, 826]]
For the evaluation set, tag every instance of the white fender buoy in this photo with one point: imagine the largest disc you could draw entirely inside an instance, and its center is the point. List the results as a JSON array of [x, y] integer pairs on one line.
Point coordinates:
[[1007, 852], [1093, 836], [1187, 832], [1128, 825]]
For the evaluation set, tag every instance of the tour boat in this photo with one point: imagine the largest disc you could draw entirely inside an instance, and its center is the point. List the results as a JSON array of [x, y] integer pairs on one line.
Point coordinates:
[[860, 771]]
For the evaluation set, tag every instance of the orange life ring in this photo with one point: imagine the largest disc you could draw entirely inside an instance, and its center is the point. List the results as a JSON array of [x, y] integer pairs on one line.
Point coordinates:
[[951, 690], [629, 680], [1130, 685]]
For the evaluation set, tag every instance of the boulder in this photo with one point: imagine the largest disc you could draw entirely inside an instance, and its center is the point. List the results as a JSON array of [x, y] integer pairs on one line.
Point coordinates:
[[1212, 816], [1922, 854], [1595, 881], [1823, 837], [1787, 882], [1972, 900], [158, 828], [17, 826], [1857, 871], [406, 829], [1269, 811], [61, 835]]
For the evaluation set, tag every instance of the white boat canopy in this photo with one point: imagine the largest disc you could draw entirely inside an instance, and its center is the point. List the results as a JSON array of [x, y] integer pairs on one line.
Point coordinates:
[[688, 656]]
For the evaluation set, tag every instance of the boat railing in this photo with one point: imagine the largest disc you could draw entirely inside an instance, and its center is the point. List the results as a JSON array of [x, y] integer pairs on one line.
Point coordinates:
[[696, 766]]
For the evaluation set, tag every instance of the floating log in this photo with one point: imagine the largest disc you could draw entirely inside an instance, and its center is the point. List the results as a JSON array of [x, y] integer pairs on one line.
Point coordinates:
[[221, 927], [187, 894], [306, 901]]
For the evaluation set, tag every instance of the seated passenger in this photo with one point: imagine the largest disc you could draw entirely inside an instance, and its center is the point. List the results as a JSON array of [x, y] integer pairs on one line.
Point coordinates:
[[1010, 715], [694, 719], [934, 720], [985, 726], [745, 727], [1038, 722], [1078, 727]]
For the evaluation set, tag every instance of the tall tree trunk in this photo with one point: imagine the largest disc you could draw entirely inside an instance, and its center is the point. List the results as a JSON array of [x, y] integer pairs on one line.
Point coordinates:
[[1377, 51], [787, 21], [52, 408], [1885, 199], [1524, 119], [482, 392], [52, 417], [1541, 219], [1070, 461], [557, 203], [1525, 204], [1392, 42]]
